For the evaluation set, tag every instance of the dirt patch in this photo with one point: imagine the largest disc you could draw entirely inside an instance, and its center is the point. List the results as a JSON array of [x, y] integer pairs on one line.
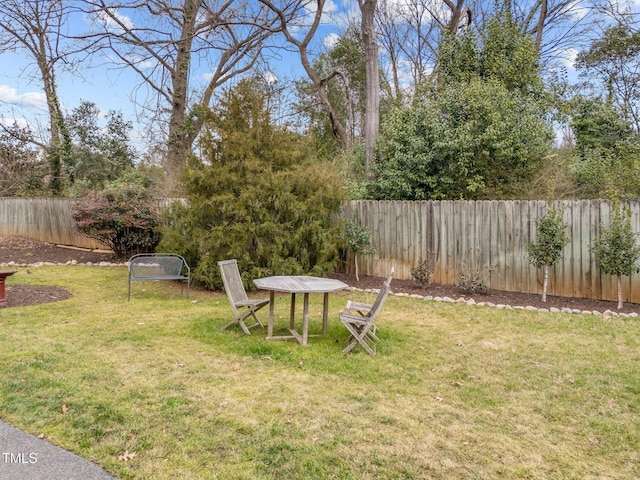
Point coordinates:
[[26, 251], [25, 295], [497, 297]]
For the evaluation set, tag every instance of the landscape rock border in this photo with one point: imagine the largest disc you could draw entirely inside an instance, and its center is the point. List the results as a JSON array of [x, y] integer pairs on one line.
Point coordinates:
[[472, 302]]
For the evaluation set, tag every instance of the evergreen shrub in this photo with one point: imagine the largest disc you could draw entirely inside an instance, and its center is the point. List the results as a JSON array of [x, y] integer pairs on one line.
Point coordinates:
[[258, 194]]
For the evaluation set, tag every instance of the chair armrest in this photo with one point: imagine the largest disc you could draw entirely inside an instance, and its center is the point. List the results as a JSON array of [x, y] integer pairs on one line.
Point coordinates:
[[348, 317], [361, 308]]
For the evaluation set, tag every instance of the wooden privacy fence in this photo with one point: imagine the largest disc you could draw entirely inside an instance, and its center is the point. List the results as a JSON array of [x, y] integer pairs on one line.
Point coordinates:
[[47, 220], [489, 238], [454, 237]]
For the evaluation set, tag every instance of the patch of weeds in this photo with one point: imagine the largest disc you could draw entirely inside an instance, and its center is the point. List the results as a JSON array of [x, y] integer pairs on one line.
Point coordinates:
[[474, 282], [422, 273]]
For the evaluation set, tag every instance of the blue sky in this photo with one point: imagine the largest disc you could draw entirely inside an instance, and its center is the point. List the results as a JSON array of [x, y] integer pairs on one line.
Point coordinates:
[[21, 97]]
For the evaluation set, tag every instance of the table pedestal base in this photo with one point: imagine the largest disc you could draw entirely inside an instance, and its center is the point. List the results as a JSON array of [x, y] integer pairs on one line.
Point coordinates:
[[300, 337]]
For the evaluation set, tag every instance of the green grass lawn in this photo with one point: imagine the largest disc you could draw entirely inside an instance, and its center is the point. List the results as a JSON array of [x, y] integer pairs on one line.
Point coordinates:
[[454, 392]]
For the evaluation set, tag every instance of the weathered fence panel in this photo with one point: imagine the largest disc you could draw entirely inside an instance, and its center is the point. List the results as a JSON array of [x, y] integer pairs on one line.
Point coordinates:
[[48, 220], [490, 238], [45, 219]]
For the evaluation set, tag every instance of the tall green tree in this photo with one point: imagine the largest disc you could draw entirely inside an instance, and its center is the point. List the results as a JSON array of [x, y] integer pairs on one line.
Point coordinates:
[[475, 142], [607, 150], [482, 130], [257, 194], [613, 64], [101, 153]]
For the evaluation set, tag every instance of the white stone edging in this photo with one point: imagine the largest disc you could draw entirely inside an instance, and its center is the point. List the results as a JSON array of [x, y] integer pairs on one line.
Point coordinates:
[[472, 302], [58, 264]]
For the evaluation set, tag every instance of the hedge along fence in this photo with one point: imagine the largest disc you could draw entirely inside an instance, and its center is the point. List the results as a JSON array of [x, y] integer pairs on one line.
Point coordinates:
[[48, 220], [490, 238], [453, 236]]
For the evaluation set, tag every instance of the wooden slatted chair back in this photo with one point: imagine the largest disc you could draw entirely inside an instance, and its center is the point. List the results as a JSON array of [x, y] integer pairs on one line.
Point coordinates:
[[232, 281]]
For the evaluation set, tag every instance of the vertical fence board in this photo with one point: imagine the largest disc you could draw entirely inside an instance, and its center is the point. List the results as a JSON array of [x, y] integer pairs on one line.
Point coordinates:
[[437, 240], [627, 285], [479, 254], [596, 281], [585, 242], [449, 241], [576, 260]]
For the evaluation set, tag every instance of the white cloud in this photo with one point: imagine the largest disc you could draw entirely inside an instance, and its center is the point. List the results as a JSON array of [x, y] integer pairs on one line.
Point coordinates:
[[20, 122], [331, 40], [568, 57], [329, 8], [270, 77], [30, 99], [113, 20]]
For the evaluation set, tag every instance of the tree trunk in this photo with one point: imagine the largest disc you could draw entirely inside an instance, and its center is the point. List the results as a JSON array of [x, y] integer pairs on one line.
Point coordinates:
[[60, 142], [541, 19], [545, 282], [178, 136], [338, 130], [355, 256], [620, 292], [458, 10], [372, 80]]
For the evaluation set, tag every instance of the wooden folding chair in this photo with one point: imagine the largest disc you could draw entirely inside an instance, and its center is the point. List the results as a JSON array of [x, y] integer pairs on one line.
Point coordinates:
[[242, 306], [359, 318]]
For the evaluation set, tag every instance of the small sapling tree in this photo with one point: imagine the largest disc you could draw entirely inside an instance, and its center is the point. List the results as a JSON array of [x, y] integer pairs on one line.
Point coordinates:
[[358, 241], [616, 249], [551, 238]]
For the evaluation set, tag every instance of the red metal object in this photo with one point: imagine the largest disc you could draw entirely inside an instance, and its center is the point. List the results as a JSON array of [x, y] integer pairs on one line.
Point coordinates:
[[3, 275]]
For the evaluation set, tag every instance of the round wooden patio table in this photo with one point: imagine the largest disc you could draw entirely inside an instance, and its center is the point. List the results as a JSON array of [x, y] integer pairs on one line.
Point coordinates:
[[3, 275], [294, 285]]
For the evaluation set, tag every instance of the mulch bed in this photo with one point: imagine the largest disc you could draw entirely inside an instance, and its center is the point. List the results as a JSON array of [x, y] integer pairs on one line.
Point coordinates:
[[497, 297], [20, 251], [25, 251]]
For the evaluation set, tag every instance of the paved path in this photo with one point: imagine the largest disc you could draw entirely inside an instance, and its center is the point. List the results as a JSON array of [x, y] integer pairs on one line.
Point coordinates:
[[26, 457]]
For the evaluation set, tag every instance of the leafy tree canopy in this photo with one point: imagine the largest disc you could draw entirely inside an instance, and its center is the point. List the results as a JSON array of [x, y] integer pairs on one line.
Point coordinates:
[[100, 154], [480, 132], [613, 61], [607, 151], [471, 143], [502, 54]]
